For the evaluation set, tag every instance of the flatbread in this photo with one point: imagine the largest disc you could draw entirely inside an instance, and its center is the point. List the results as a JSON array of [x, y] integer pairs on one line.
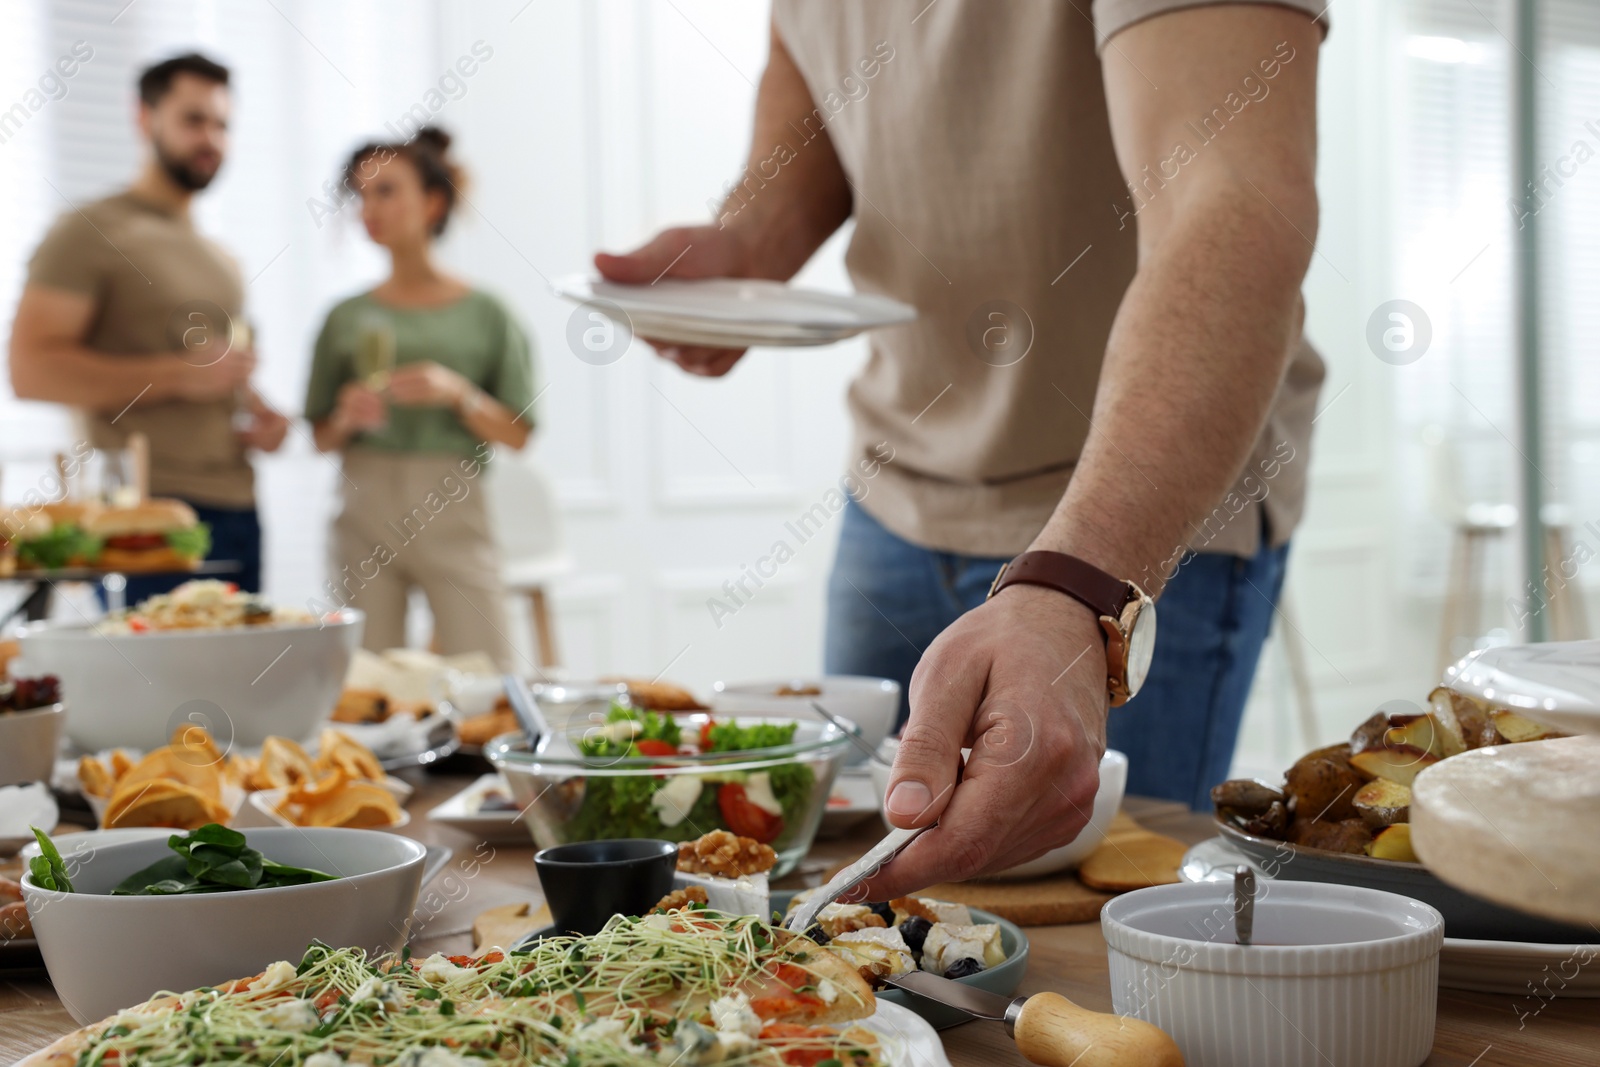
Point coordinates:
[[782, 970]]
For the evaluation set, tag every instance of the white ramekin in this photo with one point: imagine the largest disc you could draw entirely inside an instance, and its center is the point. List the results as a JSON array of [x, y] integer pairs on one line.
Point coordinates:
[[1338, 976]]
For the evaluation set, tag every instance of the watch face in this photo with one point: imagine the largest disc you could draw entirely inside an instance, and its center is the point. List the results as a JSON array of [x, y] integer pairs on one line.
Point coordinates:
[[1141, 646]]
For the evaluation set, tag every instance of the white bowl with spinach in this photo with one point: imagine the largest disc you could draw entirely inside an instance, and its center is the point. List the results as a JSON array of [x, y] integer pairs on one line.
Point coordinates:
[[676, 777], [212, 909]]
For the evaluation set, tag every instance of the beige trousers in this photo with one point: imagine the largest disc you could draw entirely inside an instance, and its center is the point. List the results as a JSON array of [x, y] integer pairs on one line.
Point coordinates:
[[420, 521]]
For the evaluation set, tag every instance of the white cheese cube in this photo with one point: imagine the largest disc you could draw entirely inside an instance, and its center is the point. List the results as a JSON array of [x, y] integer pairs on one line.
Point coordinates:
[[733, 1014], [437, 970], [881, 950], [758, 790], [948, 942], [945, 911], [275, 976], [675, 800], [297, 1016], [749, 895]]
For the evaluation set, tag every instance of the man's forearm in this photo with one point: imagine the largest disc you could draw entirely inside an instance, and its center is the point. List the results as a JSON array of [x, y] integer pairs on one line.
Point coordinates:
[[1195, 356], [66, 373], [792, 193]]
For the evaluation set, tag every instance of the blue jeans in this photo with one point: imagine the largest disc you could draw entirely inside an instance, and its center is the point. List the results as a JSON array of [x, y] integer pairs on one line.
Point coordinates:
[[888, 599], [235, 535]]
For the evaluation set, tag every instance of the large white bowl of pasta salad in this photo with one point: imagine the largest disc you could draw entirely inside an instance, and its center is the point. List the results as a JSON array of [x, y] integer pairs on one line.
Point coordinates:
[[206, 654]]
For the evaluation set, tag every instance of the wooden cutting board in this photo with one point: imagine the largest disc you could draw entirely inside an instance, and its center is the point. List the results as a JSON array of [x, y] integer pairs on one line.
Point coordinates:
[[508, 924], [1131, 857]]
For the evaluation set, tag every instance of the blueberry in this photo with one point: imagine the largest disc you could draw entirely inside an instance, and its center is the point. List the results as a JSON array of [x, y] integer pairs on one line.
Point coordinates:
[[818, 934], [964, 967], [915, 931], [884, 912]]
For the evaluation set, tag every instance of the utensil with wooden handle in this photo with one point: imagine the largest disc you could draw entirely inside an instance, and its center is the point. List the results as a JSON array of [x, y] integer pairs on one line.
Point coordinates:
[[1051, 1030]]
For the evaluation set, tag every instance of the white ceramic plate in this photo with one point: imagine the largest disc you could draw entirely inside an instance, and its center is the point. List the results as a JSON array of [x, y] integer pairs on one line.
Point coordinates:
[[736, 312], [1514, 967], [461, 812], [908, 1038], [852, 802], [1559, 682], [263, 807], [21, 807]]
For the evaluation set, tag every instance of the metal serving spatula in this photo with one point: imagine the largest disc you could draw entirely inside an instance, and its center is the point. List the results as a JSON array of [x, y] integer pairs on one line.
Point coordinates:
[[892, 845]]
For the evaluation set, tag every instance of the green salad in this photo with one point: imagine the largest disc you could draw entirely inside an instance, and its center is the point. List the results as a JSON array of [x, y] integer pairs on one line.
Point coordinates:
[[761, 805]]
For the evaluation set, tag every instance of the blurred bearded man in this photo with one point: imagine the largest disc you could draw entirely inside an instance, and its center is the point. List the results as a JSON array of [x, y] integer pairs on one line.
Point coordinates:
[[134, 319]]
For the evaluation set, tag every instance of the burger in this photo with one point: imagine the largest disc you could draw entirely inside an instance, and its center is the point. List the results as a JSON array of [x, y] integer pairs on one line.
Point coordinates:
[[64, 542], [16, 526], [155, 535]]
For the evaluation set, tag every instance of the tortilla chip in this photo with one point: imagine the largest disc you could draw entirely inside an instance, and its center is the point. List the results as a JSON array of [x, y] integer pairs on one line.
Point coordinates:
[[318, 789], [283, 763], [240, 770], [358, 804], [166, 763], [340, 751], [162, 802], [95, 779], [120, 763], [193, 744]]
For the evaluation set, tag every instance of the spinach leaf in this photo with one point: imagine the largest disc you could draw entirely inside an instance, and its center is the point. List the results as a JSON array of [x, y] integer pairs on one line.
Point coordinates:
[[213, 859], [49, 870]]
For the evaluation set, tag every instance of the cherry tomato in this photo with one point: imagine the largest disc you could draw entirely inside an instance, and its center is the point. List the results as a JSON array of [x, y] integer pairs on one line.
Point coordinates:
[[744, 818], [705, 735], [651, 746]]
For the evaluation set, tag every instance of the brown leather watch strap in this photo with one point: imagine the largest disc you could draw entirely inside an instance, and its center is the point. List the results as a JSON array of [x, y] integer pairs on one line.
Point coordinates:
[[1084, 582]]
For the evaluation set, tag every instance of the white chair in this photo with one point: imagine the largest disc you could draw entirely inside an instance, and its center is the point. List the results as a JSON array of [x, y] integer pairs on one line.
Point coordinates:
[[533, 552], [1478, 526]]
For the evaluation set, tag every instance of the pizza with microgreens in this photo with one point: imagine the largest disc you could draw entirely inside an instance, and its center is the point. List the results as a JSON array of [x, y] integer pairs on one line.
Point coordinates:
[[683, 987]]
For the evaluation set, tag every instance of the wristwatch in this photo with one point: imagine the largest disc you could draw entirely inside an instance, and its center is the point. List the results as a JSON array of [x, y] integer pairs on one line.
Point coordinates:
[[1127, 614]]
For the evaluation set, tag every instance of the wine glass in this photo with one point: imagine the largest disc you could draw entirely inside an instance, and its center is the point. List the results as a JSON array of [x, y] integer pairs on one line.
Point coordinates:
[[375, 352]]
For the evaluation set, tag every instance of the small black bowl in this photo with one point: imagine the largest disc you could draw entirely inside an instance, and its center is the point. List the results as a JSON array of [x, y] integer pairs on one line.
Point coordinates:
[[587, 883]]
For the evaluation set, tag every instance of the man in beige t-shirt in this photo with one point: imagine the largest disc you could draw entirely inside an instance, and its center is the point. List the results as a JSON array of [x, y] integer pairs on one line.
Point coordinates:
[[133, 317], [1099, 211]]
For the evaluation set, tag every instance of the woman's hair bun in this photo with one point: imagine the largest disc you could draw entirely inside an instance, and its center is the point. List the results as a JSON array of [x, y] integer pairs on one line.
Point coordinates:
[[434, 138]]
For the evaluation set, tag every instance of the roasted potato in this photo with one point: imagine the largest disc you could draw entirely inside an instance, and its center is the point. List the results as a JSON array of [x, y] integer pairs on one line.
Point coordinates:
[[1245, 796], [1371, 733], [1270, 823], [1383, 803], [1463, 716], [1346, 835], [1393, 843], [1400, 764], [1516, 728], [1322, 785]]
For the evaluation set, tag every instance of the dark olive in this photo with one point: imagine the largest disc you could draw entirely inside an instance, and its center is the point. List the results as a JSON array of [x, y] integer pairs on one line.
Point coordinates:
[[964, 967], [915, 931], [818, 934], [884, 912]]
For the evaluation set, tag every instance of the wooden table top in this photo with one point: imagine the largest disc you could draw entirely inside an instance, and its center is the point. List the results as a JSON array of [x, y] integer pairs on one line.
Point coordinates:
[[1474, 1029]]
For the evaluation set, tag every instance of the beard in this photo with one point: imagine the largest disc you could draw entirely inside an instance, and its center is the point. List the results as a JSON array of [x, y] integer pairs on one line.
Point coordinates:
[[184, 172]]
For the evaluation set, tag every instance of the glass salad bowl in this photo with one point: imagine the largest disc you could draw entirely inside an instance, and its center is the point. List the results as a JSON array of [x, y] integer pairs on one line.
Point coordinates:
[[765, 778]]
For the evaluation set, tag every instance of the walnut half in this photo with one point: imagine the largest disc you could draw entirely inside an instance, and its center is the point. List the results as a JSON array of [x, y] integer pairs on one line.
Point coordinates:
[[725, 855]]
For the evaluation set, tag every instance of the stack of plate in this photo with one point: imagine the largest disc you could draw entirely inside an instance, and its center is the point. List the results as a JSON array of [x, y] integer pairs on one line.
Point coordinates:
[[734, 312]]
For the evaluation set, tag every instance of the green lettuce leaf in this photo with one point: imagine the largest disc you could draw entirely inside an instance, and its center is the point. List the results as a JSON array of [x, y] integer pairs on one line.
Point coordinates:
[[58, 547], [192, 543], [49, 870]]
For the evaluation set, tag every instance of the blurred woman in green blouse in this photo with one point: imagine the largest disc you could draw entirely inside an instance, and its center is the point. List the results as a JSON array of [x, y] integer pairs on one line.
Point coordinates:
[[416, 383]]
